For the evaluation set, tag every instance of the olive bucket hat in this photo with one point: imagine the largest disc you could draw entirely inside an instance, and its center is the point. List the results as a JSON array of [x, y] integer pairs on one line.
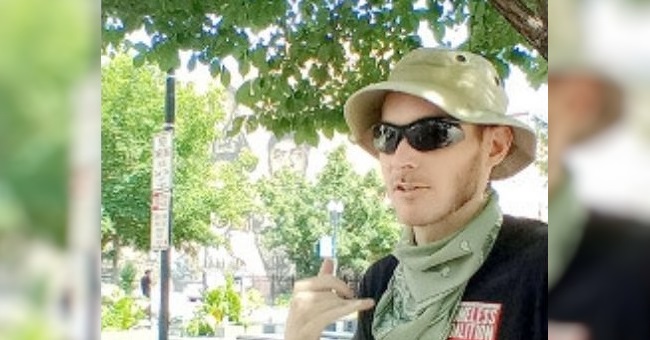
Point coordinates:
[[463, 84], [569, 57]]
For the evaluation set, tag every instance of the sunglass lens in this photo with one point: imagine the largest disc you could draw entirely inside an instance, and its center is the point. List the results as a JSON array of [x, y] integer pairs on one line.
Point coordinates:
[[386, 138], [433, 134]]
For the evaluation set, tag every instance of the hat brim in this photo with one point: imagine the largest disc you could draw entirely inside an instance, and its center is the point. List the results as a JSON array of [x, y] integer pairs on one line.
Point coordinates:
[[363, 109]]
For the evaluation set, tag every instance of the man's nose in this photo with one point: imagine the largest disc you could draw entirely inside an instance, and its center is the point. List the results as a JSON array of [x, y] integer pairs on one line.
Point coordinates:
[[404, 156]]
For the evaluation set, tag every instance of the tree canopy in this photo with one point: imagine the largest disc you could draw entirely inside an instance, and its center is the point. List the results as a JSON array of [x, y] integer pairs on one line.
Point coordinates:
[[310, 55], [298, 210]]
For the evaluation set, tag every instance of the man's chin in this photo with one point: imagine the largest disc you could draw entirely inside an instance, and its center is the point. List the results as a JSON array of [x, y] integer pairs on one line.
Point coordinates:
[[412, 219]]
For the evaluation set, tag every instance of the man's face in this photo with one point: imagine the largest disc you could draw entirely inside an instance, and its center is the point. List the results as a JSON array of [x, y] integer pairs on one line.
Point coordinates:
[[579, 105], [575, 107], [287, 155], [425, 187]]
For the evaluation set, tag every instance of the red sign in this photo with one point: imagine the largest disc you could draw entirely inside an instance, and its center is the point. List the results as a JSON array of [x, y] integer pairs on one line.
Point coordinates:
[[476, 321], [160, 200]]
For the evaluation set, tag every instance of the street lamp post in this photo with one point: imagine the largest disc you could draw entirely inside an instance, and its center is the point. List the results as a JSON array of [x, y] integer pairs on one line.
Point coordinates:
[[335, 209]]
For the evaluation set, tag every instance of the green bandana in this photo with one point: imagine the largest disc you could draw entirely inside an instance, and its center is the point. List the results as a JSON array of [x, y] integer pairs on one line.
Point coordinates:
[[425, 291], [566, 224]]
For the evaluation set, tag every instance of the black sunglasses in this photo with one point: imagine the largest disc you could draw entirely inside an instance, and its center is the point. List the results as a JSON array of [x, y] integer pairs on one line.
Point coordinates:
[[424, 134]]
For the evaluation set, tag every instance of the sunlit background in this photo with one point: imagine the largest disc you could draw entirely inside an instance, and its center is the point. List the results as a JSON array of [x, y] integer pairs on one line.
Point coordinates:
[[49, 154]]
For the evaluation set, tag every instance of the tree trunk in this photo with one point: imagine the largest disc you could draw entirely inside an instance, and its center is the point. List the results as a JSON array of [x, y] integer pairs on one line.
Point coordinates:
[[532, 26]]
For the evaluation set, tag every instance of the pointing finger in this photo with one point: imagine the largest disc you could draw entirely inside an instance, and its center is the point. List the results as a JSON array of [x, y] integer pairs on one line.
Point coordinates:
[[326, 268]]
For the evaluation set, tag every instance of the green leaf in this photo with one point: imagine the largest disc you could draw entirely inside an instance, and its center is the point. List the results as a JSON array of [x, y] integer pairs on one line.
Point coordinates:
[[251, 124], [438, 31], [141, 47], [258, 57], [244, 67], [236, 127], [245, 94], [328, 132], [225, 77], [311, 138], [138, 60], [215, 67]]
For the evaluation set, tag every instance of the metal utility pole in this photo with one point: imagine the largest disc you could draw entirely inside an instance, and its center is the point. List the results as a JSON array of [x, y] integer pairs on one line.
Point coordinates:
[[335, 209], [165, 255], [161, 206]]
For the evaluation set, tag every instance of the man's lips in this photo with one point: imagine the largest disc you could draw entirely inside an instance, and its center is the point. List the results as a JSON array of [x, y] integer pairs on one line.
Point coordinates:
[[409, 187]]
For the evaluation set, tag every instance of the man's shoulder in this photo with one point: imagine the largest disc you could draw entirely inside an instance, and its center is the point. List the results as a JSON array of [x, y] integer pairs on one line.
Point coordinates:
[[621, 240], [621, 228], [377, 276], [525, 225], [521, 240], [384, 265], [517, 263], [524, 233]]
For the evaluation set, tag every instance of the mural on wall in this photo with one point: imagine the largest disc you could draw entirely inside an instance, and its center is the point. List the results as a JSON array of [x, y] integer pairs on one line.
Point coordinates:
[[227, 149], [284, 153]]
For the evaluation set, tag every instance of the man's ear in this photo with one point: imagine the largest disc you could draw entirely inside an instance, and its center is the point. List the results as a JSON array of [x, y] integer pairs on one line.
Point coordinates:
[[499, 139]]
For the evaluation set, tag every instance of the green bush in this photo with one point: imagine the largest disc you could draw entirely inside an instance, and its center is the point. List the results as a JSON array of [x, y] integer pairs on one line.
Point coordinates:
[[199, 326], [127, 277], [123, 314], [254, 299], [283, 300], [223, 302]]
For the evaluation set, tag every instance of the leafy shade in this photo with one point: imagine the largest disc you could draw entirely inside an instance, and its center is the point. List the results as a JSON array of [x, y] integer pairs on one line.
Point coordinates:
[[311, 55]]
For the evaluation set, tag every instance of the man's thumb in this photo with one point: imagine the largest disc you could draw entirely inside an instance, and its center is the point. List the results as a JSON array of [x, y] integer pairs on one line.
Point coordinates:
[[326, 268]]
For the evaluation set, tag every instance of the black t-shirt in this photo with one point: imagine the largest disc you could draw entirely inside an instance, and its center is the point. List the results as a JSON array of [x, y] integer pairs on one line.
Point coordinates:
[[606, 287], [511, 285]]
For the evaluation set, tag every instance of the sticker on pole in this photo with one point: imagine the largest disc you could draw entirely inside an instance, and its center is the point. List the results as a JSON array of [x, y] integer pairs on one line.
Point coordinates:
[[160, 202], [162, 161], [161, 184]]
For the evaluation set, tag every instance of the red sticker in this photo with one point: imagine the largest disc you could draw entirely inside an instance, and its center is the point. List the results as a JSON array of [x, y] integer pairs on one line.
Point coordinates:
[[476, 321]]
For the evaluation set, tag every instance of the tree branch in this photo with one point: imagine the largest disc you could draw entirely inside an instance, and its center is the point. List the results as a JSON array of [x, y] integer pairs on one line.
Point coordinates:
[[531, 26], [542, 9]]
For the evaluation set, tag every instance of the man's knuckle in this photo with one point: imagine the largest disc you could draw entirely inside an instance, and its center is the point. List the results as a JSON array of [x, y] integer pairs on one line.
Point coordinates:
[[300, 299]]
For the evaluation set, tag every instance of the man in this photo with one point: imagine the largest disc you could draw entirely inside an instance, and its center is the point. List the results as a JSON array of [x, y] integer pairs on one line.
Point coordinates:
[[462, 270], [598, 268], [599, 277], [145, 283]]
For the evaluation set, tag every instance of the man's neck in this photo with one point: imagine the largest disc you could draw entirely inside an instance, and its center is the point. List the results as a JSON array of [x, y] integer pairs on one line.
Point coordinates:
[[556, 176], [451, 223]]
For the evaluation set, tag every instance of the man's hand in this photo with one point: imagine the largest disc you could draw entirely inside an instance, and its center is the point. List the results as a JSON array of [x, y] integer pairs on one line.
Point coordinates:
[[567, 331], [319, 301]]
